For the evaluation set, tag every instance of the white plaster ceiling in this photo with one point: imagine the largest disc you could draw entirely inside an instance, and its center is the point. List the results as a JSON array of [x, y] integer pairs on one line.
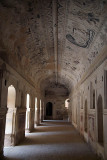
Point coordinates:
[[27, 34]]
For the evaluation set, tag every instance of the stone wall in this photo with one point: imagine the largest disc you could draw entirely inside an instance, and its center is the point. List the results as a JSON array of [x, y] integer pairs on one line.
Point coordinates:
[[85, 109], [8, 77], [58, 103]]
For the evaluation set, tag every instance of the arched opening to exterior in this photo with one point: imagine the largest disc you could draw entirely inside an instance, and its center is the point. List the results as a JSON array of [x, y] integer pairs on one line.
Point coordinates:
[[85, 116], [100, 119], [49, 107], [35, 109], [10, 117], [40, 109], [67, 101], [65, 111], [27, 111]]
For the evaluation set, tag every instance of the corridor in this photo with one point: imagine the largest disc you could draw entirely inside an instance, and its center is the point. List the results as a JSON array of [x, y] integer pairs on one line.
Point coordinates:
[[52, 140]]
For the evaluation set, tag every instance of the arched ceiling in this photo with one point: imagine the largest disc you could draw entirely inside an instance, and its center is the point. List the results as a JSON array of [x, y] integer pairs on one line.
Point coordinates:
[[50, 82], [52, 41]]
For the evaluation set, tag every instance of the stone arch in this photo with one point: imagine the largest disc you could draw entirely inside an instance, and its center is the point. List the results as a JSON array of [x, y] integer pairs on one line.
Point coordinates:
[[85, 116], [10, 117], [11, 97], [27, 111], [100, 119]]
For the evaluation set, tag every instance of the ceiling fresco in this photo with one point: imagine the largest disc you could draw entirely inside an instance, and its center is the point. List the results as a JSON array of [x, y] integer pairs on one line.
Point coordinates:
[[28, 30]]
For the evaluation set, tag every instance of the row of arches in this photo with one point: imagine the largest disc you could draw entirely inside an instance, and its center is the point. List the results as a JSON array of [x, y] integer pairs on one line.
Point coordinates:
[[10, 116], [10, 125], [9, 128]]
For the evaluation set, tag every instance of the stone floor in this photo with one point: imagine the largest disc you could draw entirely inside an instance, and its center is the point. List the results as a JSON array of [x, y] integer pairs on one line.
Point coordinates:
[[53, 140]]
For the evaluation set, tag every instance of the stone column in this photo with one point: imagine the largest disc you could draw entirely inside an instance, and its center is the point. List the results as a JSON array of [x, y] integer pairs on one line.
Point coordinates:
[[38, 111], [31, 119], [20, 125], [13, 135], [42, 111]]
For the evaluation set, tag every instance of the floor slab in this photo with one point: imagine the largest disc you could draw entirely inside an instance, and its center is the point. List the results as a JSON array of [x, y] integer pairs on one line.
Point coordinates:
[[53, 140]]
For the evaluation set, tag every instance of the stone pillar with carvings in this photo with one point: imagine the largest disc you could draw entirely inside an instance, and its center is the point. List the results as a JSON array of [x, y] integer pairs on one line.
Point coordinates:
[[41, 118], [20, 119], [38, 111], [41, 110], [10, 129]]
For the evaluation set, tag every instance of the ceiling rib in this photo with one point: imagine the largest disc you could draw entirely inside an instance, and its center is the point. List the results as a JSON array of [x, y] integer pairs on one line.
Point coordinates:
[[55, 33]]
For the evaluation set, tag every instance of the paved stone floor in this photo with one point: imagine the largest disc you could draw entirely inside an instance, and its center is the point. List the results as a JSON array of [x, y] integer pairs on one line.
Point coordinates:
[[51, 141]]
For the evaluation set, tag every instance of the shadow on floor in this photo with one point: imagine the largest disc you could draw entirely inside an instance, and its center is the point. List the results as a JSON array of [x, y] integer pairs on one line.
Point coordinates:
[[51, 142], [54, 123], [56, 134], [46, 127], [6, 158]]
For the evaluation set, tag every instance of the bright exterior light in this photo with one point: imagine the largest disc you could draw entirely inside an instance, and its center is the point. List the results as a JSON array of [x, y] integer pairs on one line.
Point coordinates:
[[67, 103], [27, 101]]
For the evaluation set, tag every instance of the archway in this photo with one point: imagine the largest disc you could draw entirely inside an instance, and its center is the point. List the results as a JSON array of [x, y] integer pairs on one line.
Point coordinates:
[[85, 116], [40, 110], [27, 111], [100, 119], [35, 109], [10, 117], [49, 109], [65, 110], [67, 101]]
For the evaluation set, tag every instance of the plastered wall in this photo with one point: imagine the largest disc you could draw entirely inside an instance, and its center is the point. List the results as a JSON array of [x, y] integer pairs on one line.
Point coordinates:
[[82, 118]]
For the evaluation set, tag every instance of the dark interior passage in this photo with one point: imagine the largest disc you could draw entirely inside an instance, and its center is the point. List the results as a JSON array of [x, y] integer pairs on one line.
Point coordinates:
[[49, 109]]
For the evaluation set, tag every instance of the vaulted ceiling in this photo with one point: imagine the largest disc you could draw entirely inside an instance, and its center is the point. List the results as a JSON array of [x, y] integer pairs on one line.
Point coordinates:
[[52, 41]]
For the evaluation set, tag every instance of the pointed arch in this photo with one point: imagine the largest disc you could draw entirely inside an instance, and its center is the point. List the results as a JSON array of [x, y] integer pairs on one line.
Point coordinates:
[[10, 121]]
